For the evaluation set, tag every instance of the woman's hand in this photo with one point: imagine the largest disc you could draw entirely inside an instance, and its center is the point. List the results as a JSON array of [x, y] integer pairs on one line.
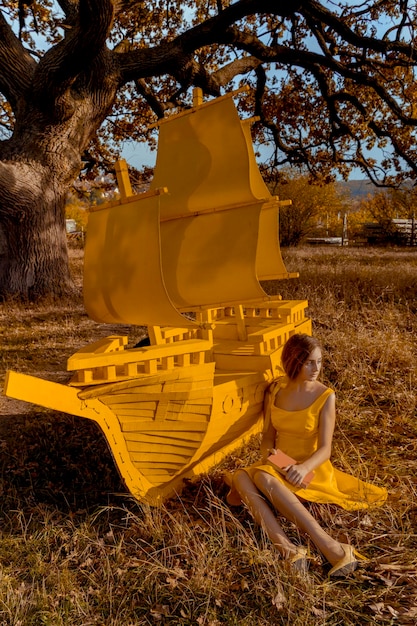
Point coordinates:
[[295, 474]]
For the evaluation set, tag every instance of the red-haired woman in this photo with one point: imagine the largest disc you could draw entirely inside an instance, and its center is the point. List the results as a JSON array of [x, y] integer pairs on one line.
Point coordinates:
[[299, 420]]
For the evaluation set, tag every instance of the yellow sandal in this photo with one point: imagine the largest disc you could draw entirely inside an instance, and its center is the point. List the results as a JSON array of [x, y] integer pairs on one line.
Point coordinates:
[[299, 560], [348, 563]]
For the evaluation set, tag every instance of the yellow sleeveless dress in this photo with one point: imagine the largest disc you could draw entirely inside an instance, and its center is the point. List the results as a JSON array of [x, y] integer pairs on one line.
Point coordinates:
[[297, 436]]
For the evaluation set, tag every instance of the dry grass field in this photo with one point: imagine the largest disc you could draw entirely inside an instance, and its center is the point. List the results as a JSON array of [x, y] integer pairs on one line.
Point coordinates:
[[77, 550]]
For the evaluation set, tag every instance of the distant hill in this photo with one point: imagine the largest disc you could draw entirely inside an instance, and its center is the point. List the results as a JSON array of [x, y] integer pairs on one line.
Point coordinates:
[[358, 189]]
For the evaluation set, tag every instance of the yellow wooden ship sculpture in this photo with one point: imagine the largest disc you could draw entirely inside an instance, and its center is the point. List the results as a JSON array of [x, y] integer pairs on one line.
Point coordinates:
[[184, 259]]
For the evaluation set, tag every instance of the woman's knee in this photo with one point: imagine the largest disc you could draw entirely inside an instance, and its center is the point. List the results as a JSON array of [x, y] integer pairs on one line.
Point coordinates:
[[245, 486], [241, 480], [263, 480]]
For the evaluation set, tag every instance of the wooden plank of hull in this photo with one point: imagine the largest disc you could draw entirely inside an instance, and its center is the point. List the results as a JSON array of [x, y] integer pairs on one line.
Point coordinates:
[[183, 396], [149, 438], [128, 419], [155, 469], [166, 451], [135, 441], [179, 407], [134, 413], [139, 408], [199, 408], [128, 399], [174, 426]]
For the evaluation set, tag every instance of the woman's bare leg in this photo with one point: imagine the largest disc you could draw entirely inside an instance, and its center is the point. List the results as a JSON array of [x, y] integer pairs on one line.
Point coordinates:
[[290, 506], [262, 513]]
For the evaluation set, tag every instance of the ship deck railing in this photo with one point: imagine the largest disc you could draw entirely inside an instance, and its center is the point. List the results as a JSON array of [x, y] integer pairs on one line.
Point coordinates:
[[233, 321], [103, 364]]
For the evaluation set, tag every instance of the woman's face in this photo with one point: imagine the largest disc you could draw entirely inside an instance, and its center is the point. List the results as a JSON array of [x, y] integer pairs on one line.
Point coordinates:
[[311, 368]]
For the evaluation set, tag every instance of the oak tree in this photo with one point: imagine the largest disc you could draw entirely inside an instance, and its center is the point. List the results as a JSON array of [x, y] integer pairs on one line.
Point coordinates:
[[332, 80], [316, 210]]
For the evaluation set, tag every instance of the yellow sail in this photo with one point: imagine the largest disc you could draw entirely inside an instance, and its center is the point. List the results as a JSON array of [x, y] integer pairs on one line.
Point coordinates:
[[269, 263], [123, 281], [208, 241], [206, 162]]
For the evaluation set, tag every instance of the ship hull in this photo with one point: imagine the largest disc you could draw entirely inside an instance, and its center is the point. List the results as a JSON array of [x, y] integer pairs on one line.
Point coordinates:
[[172, 410], [155, 455]]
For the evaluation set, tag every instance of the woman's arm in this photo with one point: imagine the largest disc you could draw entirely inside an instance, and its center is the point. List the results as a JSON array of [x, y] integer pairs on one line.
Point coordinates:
[[327, 419], [269, 434], [268, 442]]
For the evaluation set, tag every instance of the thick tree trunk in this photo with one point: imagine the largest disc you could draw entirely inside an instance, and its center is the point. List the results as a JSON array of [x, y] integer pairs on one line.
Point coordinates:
[[37, 165], [33, 244]]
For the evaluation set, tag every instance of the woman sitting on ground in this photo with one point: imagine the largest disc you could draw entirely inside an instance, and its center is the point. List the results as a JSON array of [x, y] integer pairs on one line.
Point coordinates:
[[299, 420]]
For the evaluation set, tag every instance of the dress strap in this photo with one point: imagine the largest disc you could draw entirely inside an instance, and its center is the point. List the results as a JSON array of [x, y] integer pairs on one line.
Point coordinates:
[[326, 393]]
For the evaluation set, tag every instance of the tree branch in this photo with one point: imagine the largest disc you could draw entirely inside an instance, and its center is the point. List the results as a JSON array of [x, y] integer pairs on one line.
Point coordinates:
[[320, 13], [311, 61], [154, 102], [166, 57], [344, 55], [75, 55], [70, 9], [224, 75], [17, 65]]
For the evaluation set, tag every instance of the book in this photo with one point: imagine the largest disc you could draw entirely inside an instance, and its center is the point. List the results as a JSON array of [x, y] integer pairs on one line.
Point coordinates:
[[280, 460]]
